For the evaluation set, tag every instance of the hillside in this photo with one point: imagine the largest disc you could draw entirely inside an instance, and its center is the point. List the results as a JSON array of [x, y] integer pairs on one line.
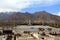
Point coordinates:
[[24, 18], [37, 16]]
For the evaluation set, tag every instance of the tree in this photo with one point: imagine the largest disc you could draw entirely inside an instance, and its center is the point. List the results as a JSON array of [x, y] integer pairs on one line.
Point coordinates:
[[41, 29], [49, 29]]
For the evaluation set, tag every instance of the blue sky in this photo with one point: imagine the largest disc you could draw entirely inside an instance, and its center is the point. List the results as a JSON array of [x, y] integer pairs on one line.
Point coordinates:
[[51, 6], [51, 9]]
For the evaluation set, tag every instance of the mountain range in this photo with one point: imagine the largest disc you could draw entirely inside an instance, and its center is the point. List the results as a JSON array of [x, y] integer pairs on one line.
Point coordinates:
[[41, 16]]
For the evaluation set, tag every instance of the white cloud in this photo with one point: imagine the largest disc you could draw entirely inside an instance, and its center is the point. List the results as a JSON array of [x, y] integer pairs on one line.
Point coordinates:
[[58, 14], [15, 5], [7, 10]]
